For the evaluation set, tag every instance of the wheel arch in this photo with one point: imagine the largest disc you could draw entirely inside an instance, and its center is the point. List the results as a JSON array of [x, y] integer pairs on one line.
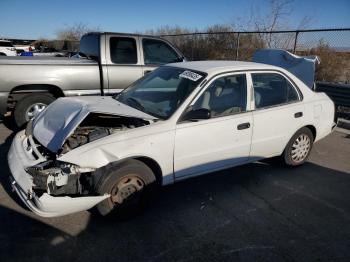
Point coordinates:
[[149, 162], [37, 88], [313, 130], [154, 166], [21, 91]]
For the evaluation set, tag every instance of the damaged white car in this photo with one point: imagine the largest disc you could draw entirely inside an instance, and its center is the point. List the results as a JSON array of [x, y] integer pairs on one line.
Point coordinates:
[[181, 120]]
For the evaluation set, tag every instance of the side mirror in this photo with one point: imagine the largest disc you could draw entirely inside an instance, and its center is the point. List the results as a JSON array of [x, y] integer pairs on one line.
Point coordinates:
[[197, 114]]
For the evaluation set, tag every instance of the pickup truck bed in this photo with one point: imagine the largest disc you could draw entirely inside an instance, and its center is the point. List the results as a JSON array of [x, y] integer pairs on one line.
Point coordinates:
[[33, 75], [44, 60]]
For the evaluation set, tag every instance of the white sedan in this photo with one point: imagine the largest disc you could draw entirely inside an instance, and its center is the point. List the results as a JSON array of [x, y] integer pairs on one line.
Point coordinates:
[[181, 120]]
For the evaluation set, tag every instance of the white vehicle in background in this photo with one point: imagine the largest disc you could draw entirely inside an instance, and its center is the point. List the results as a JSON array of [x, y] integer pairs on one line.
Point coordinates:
[[7, 49], [24, 48], [179, 121]]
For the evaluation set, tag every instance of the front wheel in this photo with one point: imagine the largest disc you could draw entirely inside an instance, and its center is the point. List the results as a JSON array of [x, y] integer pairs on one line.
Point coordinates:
[[129, 184], [298, 148]]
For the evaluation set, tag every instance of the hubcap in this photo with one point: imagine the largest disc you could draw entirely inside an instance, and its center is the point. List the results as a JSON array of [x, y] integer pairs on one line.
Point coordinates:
[[126, 188], [300, 148], [34, 110]]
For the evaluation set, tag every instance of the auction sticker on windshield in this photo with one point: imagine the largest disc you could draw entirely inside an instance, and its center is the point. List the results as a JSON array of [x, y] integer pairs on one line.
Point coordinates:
[[190, 75]]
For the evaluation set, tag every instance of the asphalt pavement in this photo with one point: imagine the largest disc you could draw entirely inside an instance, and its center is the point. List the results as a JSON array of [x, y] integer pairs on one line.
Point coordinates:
[[257, 212]]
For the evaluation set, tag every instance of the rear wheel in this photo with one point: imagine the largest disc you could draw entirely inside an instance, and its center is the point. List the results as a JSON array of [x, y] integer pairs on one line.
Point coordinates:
[[298, 148], [30, 106], [130, 185]]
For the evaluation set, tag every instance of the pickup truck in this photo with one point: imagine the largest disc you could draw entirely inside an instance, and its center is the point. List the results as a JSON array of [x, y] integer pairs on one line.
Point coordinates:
[[111, 62]]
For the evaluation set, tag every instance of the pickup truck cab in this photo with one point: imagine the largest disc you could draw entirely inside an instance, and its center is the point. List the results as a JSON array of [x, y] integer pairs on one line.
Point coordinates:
[[112, 61]]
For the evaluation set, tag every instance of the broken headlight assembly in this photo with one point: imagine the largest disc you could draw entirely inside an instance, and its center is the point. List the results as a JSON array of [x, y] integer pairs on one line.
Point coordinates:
[[60, 178]]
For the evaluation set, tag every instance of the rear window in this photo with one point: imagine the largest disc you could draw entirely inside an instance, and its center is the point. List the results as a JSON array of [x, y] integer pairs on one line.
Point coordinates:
[[123, 50], [5, 44]]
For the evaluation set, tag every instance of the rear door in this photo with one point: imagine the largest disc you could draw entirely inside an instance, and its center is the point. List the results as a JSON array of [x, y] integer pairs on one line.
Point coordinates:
[[278, 114], [124, 64], [156, 52]]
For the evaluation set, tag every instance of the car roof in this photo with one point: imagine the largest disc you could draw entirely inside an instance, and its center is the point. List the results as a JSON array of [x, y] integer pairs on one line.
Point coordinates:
[[215, 67]]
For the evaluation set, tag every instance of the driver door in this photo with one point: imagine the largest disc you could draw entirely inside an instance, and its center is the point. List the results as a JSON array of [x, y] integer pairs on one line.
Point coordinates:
[[222, 141]]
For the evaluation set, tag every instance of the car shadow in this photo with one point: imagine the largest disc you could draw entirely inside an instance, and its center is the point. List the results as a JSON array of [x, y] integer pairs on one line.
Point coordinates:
[[256, 212], [9, 123]]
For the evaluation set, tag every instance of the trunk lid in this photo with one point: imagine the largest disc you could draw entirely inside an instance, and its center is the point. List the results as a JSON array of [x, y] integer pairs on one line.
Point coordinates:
[[301, 67]]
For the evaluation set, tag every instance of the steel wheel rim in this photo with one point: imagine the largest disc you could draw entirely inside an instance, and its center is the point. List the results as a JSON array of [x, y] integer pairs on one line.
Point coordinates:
[[34, 110], [300, 148], [126, 189]]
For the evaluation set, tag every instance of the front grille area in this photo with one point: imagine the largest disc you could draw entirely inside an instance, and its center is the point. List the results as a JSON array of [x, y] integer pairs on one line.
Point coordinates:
[[44, 152], [30, 148]]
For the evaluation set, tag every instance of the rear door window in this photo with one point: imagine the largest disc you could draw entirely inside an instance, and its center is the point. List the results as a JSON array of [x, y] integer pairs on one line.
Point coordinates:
[[271, 89], [123, 50]]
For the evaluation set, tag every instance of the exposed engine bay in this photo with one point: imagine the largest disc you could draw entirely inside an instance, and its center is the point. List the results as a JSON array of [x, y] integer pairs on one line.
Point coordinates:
[[59, 178], [97, 126]]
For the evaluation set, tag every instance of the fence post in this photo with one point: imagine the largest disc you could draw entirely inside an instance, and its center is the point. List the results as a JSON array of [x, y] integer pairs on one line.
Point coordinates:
[[237, 46], [192, 51], [295, 41]]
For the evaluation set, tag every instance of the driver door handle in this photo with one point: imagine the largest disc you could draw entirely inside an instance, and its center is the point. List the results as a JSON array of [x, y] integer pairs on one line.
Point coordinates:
[[298, 114], [243, 126]]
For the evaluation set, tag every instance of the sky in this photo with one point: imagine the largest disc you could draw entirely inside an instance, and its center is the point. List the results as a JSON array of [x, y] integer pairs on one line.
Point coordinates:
[[35, 19]]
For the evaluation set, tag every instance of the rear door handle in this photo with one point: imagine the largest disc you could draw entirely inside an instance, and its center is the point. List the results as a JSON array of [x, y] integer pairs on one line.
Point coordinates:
[[299, 114], [243, 126]]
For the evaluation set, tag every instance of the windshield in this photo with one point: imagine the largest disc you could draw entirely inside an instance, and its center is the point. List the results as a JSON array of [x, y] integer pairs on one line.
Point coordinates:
[[161, 92]]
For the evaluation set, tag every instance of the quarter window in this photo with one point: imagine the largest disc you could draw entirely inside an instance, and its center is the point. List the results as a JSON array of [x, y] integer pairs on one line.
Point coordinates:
[[272, 89], [158, 52], [226, 95], [123, 50]]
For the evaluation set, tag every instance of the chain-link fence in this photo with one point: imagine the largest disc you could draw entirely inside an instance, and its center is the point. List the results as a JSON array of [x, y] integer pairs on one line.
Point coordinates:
[[331, 45]]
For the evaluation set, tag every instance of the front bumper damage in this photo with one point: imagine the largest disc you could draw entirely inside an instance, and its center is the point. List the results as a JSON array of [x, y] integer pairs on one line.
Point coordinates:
[[20, 157]]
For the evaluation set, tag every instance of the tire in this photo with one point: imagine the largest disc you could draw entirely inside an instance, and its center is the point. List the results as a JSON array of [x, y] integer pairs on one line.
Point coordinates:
[[298, 148], [126, 198], [23, 106]]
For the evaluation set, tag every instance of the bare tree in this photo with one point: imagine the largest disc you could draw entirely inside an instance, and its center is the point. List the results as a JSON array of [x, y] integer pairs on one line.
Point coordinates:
[[74, 32], [277, 17]]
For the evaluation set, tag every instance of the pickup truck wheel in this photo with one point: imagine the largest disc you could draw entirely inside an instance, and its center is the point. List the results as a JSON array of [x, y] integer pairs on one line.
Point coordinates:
[[30, 106], [130, 185], [298, 148]]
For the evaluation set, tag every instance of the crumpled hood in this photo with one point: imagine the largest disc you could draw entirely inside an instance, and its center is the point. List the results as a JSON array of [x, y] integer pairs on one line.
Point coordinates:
[[60, 118]]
